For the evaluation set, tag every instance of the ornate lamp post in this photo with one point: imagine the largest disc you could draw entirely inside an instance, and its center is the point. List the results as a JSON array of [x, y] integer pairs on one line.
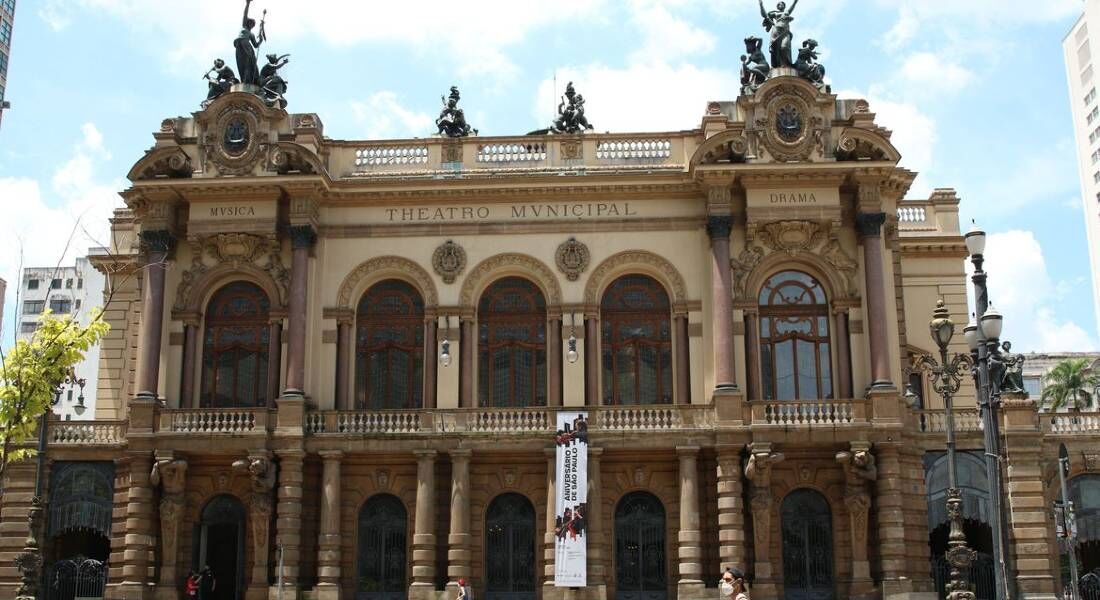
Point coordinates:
[[946, 379], [983, 337]]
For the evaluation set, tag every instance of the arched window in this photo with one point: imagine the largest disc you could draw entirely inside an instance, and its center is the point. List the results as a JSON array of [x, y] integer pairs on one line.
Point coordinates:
[[637, 349], [794, 338], [234, 355], [512, 344], [389, 347]]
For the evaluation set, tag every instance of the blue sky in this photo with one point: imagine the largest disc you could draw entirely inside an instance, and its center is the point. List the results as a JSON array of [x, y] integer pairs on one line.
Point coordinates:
[[974, 91]]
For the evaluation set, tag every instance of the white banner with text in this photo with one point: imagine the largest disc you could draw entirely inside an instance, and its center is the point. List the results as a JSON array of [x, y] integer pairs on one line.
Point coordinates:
[[571, 491]]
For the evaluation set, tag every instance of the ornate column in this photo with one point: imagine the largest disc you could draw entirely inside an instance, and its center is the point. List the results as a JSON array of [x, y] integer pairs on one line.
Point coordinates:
[[171, 475], [721, 287], [690, 536], [302, 238], [553, 362], [752, 354], [274, 357], [328, 539], [344, 353], [549, 553], [458, 540], [187, 372], [431, 327], [732, 551], [859, 471], [423, 555], [870, 229], [140, 527], [288, 514], [157, 244], [592, 360], [597, 569], [843, 353], [467, 348], [758, 470], [262, 475], [682, 393]]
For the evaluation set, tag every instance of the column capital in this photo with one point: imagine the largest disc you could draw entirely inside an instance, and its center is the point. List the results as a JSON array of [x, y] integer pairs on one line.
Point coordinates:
[[157, 240], [425, 454], [302, 236], [331, 455], [719, 226], [595, 452], [687, 451], [870, 224], [294, 453], [460, 453]]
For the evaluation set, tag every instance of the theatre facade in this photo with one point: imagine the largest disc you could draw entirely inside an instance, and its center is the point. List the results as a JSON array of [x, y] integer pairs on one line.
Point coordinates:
[[335, 366]]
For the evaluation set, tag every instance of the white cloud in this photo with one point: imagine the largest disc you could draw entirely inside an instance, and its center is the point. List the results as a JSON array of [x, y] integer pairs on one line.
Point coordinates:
[[1021, 288], [970, 15], [1032, 180], [914, 133], [932, 74], [666, 36], [383, 117]]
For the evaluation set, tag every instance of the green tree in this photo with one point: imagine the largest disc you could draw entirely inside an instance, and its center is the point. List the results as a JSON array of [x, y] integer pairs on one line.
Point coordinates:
[[30, 373], [1070, 383]]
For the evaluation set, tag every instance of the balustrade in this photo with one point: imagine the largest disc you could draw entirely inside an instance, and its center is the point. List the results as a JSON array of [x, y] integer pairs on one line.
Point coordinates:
[[87, 433], [384, 156], [511, 152], [1075, 423], [967, 420], [808, 413], [214, 420], [633, 148]]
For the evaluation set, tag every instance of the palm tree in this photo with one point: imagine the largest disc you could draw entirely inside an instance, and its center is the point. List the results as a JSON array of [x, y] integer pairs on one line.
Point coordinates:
[[1070, 383]]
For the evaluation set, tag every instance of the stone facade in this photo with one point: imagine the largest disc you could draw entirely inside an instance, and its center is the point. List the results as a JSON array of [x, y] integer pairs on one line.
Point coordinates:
[[319, 480]]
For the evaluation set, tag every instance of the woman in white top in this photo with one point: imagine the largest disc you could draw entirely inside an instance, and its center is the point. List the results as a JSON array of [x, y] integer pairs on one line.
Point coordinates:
[[733, 586]]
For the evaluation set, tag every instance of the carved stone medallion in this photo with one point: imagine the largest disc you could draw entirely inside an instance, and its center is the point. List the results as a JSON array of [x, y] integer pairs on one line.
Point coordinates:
[[572, 258], [790, 131], [572, 150], [232, 141], [449, 260], [792, 237]]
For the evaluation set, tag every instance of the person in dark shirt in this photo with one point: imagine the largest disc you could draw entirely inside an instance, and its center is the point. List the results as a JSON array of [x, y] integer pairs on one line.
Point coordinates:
[[207, 584]]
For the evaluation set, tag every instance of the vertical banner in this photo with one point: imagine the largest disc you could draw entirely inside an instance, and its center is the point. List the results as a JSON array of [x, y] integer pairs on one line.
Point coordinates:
[[571, 491]]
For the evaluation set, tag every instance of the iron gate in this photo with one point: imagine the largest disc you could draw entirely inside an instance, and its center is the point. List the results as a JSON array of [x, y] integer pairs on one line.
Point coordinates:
[[807, 547], [383, 524], [76, 578], [640, 572], [980, 574], [510, 549], [1090, 586]]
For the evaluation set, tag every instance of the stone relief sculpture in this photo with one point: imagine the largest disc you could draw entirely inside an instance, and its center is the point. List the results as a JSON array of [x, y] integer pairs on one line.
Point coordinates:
[[758, 470], [452, 120], [171, 476], [262, 476]]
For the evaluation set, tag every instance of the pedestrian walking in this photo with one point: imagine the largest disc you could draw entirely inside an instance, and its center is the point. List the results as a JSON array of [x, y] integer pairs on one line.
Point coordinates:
[[191, 586], [463, 590], [207, 583], [733, 585]]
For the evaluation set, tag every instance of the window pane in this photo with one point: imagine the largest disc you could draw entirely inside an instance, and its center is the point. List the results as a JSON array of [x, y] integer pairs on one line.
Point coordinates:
[[784, 371], [512, 344], [636, 332], [807, 371], [390, 332], [825, 368], [767, 372], [235, 347]]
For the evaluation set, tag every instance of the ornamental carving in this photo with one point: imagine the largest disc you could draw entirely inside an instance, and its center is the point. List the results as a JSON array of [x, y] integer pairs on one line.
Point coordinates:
[[165, 163], [375, 268], [452, 153], [745, 262], [533, 267], [171, 475], [572, 258], [448, 261], [572, 150], [618, 262], [835, 255], [235, 250], [231, 143], [287, 159], [790, 128], [792, 237], [859, 472]]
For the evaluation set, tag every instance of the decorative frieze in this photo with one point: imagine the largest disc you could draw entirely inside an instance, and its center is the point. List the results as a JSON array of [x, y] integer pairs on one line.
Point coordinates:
[[237, 250]]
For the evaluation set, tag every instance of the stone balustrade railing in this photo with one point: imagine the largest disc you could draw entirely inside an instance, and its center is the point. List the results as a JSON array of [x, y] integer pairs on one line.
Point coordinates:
[[967, 420], [1073, 423], [808, 413], [213, 420], [87, 433]]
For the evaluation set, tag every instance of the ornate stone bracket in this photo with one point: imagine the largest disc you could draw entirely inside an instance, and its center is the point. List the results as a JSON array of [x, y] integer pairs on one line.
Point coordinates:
[[859, 473], [262, 476], [171, 475], [758, 470]]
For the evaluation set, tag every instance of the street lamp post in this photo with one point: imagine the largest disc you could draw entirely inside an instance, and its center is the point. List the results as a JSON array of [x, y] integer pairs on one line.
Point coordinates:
[[946, 379], [982, 336]]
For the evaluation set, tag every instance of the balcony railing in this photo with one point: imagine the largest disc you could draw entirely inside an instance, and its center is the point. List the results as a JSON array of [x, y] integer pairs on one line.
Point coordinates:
[[808, 413], [87, 433], [967, 420], [214, 420], [1073, 423]]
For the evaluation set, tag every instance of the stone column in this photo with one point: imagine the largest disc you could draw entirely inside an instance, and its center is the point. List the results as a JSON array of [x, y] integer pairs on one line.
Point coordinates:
[[721, 287], [467, 348], [592, 360], [187, 372], [549, 553], [597, 535], [1029, 519], [328, 539], [859, 471], [288, 516], [274, 358], [753, 388], [890, 515], [423, 548], [553, 362], [263, 476], [171, 475], [870, 228], [343, 362], [458, 540], [690, 537], [157, 244], [302, 238], [682, 394], [431, 327], [732, 550], [843, 354], [758, 470], [140, 528]]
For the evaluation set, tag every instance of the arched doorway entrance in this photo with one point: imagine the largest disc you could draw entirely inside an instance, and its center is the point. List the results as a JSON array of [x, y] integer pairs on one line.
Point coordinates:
[[979, 536], [219, 544], [807, 524], [1084, 491], [640, 567], [81, 503], [383, 526], [510, 548]]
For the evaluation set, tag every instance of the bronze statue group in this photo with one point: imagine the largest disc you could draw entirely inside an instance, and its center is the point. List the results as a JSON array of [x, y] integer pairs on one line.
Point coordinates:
[[265, 82]]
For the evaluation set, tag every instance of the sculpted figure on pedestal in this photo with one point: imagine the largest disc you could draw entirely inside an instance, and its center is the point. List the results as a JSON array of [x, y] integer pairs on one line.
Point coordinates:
[[754, 65], [778, 23], [452, 120]]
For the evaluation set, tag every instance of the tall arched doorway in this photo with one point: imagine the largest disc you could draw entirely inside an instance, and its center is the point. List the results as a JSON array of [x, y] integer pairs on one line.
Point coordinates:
[[807, 524], [510, 549], [976, 511], [640, 567], [1084, 491], [78, 536], [383, 526], [219, 544]]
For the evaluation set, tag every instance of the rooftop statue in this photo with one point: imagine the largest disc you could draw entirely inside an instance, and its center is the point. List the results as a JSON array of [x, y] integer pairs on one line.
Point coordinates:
[[807, 66], [452, 120], [220, 78], [274, 86], [246, 45], [754, 65], [265, 83], [571, 117], [778, 23]]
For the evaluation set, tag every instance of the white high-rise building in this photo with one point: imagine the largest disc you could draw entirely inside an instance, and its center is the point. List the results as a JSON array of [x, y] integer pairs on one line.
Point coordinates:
[[72, 290], [1082, 49]]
